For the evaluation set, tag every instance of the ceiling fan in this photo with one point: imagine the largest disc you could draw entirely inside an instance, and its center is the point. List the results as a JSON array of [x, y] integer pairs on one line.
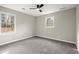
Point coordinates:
[[38, 7]]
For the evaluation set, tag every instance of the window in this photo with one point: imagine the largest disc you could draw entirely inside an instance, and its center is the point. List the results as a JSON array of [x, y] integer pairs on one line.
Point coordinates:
[[49, 22], [7, 22]]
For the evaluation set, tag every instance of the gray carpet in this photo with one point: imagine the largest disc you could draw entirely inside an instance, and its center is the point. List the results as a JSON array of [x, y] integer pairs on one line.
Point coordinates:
[[38, 45]]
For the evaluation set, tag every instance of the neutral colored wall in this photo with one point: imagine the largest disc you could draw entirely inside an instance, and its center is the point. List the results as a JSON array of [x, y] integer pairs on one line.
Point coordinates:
[[27, 26], [77, 23], [24, 27], [65, 26]]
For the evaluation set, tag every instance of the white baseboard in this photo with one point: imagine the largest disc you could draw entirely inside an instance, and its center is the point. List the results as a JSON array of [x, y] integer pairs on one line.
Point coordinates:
[[16, 40], [57, 39], [33, 36]]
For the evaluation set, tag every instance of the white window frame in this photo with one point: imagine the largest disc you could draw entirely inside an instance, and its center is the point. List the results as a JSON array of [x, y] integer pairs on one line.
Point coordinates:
[[14, 23], [51, 18]]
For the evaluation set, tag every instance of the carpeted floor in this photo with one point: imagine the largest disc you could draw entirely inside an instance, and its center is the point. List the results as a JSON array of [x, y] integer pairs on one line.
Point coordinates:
[[38, 45]]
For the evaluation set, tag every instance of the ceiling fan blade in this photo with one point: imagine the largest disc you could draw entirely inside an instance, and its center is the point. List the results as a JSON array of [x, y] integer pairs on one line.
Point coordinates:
[[33, 8], [38, 6], [40, 10], [41, 5]]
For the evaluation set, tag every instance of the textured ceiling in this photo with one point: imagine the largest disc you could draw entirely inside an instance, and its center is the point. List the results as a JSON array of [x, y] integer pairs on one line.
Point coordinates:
[[48, 8]]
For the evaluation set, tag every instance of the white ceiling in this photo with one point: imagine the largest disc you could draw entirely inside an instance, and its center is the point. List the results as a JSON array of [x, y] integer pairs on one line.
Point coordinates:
[[47, 8]]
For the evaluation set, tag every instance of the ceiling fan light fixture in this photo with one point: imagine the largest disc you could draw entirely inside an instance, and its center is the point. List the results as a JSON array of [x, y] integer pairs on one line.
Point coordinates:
[[38, 9]]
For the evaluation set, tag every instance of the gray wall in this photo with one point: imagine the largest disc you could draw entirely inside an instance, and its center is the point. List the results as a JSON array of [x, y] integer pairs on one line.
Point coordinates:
[[24, 27], [65, 26], [77, 23], [28, 26]]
